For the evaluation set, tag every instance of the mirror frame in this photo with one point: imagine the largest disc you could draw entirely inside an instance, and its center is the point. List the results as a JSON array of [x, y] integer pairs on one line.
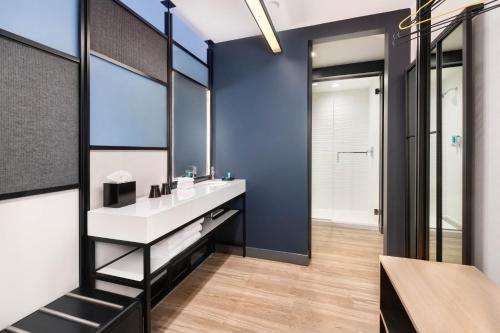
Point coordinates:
[[209, 146], [467, 91], [422, 241], [171, 175]]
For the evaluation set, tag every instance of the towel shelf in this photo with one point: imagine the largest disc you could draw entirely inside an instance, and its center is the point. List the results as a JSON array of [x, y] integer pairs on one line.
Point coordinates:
[[157, 275], [130, 266]]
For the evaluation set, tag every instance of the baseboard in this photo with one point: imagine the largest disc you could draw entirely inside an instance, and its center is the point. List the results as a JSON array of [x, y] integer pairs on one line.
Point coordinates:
[[344, 225], [288, 257], [229, 249]]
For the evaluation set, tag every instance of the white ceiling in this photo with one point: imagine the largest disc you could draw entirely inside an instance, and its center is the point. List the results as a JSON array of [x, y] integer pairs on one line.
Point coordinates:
[[348, 51], [346, 84], [222, 20]]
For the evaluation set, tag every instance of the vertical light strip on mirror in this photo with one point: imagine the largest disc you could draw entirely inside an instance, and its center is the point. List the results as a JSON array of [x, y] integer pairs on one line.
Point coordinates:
[[172, 129], [261, 16]]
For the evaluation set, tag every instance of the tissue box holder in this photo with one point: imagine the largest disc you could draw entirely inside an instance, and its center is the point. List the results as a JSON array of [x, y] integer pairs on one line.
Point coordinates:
[[118, 195]]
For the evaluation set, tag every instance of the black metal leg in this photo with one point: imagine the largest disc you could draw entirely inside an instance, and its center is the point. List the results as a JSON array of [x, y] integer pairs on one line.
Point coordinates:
[[244, 225], [91, 260], [147, 288]]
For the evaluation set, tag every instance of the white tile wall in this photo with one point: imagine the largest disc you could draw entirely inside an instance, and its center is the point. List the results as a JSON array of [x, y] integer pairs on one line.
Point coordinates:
[[345, 189]]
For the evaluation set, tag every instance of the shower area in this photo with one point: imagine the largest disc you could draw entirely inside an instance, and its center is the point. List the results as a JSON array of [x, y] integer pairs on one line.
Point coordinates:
[[346, 134]]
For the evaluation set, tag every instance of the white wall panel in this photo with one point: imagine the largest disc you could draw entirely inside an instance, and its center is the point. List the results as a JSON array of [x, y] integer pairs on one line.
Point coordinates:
[[486, 188], [147, 168], [39, 247]]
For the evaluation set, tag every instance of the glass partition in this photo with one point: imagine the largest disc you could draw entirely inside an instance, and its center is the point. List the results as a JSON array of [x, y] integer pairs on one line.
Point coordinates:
[[185, 36], [54, 23], [188, 65], [126, 109]]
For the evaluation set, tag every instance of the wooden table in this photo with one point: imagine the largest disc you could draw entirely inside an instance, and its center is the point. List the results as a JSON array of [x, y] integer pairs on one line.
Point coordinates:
[[423, 296]]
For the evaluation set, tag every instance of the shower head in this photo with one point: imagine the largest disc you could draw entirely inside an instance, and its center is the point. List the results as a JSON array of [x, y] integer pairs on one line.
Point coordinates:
[[454, 99]]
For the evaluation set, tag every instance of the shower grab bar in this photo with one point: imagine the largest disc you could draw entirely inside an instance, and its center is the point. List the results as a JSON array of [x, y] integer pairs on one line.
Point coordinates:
[[366, 152]]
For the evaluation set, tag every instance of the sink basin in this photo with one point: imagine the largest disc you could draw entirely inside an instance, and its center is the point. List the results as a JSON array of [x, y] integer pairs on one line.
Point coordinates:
[[215, 182]]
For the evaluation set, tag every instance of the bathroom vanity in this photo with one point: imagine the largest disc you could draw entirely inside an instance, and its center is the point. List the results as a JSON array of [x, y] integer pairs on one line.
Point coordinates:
[[146, 223]]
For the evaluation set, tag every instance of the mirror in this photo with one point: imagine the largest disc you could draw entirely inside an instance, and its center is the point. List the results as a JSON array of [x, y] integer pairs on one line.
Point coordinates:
[[445, 223], [451, 132], [191, 128]]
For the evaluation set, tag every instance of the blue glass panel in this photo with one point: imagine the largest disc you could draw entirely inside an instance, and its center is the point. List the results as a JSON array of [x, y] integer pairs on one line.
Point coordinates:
[[126, 109], [54, 23], [150, 10], [189, 39], [190, 126], [186, 64]]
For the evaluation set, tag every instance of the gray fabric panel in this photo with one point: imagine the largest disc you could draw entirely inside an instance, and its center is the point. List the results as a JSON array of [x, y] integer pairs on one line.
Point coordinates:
[[118, 34], [39, 119]]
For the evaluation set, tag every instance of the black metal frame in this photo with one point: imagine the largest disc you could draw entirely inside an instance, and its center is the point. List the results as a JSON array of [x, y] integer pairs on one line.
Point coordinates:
[[466, 135], [168, 283], [137, 72], [170, 104], [439, 154], [309, 146], [85, 148], [425, 63], [422, 139], [88, 273], [85, 18], [84, 198], [360, 69], [381, 153], [172, 111], [349, 71], [408, 251], [209, 66]]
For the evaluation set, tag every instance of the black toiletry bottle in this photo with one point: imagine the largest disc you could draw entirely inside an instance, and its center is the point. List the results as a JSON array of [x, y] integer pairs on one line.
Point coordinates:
[[155, 191], [165, 189]]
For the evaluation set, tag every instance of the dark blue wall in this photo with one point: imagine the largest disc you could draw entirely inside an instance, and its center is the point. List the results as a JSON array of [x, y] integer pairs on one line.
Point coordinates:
[[261, 129]]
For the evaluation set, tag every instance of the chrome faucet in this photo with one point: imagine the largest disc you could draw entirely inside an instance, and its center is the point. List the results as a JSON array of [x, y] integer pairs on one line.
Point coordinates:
[[212, 172], [192, 171]]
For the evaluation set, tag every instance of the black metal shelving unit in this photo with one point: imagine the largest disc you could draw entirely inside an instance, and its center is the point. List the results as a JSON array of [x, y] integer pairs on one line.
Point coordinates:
[[157, 282]]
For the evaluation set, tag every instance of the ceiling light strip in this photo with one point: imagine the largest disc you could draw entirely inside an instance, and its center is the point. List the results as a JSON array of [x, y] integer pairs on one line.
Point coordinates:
[[261, 16]]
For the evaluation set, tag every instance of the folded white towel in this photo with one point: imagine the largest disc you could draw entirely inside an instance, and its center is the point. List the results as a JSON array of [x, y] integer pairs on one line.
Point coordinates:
[[162, 249], [191, 240], [171, 245], [194, 225], [185, 186], [184, 180], [191, 232], [173, 252]]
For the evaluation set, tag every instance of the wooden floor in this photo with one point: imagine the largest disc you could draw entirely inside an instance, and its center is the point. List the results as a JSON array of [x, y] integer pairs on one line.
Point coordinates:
[[451, 248], [337, 292]]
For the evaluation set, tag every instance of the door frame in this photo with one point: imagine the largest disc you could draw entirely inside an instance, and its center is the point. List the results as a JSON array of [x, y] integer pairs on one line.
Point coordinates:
[[350, 71]]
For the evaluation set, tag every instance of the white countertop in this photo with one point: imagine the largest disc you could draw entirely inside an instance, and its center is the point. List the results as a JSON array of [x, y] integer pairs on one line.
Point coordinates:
[[149, 219]]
